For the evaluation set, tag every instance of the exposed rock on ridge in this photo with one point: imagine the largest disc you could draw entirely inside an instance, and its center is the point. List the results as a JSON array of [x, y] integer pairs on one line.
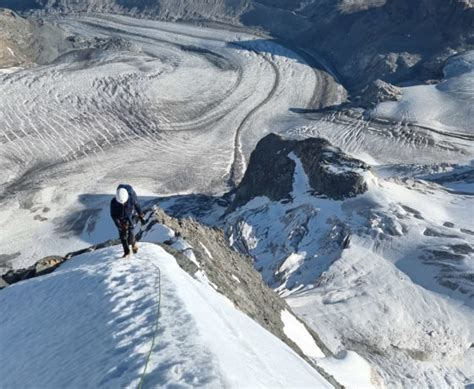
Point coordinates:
[[43, 266], [231, 272], [379, 91]]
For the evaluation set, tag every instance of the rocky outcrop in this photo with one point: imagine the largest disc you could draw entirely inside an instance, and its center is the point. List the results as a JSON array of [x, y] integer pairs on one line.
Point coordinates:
[[271, 169], [24, 42], [44, 266], [47, 265], [3, 283], [17, 39], [377, 92]]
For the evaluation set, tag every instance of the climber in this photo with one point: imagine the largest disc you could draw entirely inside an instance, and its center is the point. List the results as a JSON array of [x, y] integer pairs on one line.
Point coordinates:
[[124, 209]]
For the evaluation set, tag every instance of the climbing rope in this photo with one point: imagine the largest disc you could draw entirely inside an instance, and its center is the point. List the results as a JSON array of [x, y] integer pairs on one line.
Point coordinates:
[[147, 225], [155, 331]]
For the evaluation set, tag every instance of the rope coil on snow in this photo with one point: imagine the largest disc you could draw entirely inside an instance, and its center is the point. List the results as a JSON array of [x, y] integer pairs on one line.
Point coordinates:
[[155, 331]]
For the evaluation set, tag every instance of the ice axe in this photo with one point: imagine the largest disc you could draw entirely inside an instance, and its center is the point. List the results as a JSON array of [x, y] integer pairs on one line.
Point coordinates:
[[145, 225]]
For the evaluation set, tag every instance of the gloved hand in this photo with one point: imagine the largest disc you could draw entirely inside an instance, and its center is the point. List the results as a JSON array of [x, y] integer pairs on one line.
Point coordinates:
[[123, 226], [141, 217]]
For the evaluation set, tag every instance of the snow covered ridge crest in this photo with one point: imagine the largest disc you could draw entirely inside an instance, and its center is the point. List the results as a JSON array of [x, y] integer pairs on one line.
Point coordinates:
[[204, 254], [103, 322], [271, 169]]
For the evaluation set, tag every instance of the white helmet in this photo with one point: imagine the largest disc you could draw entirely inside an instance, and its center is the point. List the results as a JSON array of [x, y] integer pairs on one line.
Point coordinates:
[[122, 195]]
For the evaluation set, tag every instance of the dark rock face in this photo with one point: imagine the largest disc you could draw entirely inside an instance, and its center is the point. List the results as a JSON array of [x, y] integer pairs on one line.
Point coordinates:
[[42, 267], [331, 173], [379, 91], [24, 42], [392, 40], [270, 171]]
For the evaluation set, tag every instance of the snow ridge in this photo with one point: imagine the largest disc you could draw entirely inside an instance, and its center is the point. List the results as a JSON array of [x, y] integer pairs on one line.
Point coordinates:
[[97, 314]]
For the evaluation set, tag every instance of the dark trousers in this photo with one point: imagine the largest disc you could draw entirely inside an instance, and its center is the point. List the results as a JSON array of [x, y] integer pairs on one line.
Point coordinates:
[[127, 238]]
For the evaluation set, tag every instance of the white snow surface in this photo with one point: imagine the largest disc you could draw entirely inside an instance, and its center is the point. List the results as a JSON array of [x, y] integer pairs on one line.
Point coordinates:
[[448, 105], [297, 332], [300, 179], [159, 234], [91, 323], [350, 370], [292, 263]]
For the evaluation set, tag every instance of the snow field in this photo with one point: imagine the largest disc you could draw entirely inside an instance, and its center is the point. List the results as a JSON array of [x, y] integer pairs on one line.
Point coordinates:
[[296, 331], [350, 370]]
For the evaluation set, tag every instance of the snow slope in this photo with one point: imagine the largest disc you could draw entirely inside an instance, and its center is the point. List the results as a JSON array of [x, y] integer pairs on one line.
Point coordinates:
[[91, 324], [387, 274]]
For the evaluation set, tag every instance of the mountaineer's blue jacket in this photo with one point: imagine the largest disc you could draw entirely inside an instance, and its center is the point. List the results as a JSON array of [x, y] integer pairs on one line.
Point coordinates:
[[123, 213]]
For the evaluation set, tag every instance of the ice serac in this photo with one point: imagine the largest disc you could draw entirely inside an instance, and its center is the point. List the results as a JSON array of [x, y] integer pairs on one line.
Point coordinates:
[[271, 169]]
